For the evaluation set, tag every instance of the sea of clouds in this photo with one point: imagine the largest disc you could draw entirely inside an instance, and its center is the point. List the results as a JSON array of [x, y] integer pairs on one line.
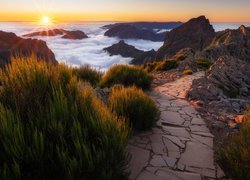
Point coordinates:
[[89, 51], [86, 51]]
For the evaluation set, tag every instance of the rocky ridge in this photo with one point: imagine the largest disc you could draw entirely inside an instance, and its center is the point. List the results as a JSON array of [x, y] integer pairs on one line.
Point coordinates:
[[11, 44]]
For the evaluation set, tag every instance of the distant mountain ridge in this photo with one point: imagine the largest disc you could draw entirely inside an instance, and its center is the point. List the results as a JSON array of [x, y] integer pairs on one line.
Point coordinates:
[[54, 32], [127, 31], [148, 25]]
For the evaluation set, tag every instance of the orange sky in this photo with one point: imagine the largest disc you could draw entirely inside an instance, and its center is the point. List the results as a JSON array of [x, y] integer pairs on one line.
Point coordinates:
[[125, 10]]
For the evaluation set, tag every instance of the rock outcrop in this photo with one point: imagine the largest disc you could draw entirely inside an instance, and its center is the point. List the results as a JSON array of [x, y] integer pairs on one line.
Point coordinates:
[[186, 59], [226, 83], [126, 31], [10, 44], [125, 50], [197, 33], [54, 32], [235, 43]]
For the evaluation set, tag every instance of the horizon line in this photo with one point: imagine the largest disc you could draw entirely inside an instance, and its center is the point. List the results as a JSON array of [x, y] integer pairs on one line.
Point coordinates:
[[68, 21]]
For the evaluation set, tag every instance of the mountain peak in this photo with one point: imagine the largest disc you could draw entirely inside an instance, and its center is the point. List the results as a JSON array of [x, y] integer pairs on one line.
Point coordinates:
[[195, 34]]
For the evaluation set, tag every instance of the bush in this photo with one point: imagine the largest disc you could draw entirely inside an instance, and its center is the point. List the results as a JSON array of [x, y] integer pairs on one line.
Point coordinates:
[[51, 129], [86, 73], [127, 76], [188, 72], [134, 105], [235, 155], [162, 65], [203, 63]]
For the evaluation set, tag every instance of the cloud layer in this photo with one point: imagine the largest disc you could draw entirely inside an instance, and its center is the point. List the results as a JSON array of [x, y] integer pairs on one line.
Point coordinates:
[[90, 50]]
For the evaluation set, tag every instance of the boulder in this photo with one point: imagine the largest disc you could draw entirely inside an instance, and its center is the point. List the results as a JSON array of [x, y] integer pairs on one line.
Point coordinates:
[[196, 34], [10, 44]]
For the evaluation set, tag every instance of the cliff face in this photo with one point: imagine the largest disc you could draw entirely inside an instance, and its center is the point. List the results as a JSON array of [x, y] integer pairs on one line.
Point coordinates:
[[12, 44], [197, 33], [235, 43]]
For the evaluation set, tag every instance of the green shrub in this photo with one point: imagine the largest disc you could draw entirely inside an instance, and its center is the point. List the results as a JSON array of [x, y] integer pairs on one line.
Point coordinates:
[[52, 129], [135, 106], [203, 63], [86, 73], [188, 71], [162, 65], [235, 154], [127, 76]]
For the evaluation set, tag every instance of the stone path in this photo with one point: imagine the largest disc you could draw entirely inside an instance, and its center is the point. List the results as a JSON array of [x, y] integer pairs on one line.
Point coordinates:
[[180, 147]]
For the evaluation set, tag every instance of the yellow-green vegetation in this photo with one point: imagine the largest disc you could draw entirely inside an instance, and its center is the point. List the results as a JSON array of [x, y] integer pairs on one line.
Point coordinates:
[[133, 104], [52, 129], [161, 65], [88, 74], [235, 155], [128, 76], [187, 71], [203, 63]]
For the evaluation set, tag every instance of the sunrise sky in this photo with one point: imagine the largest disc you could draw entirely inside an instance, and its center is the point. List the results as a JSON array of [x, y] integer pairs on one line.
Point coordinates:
[[125, 10]]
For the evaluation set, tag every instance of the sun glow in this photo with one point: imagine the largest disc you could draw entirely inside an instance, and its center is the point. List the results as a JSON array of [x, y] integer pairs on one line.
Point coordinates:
[[46, 20]]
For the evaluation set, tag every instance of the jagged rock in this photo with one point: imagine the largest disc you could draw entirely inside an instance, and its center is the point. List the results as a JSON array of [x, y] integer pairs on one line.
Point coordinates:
[[235, 43], [224, 85], [125, 50], [11, 44], [197, 33], [54, 32], [127, 31]]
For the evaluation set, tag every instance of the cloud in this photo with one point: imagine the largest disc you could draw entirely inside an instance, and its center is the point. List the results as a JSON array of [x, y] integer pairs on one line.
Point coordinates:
[[90, 51]]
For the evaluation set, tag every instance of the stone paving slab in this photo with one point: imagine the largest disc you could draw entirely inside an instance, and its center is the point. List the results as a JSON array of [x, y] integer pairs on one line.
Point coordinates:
[[180, 147]]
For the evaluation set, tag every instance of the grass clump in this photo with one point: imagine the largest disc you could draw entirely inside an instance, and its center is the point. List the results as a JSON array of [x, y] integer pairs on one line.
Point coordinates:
[[188, 71], [235, 155], [162, 65], [88, 74], [135, 106], [52, 129], [203, 63], [128, 76]]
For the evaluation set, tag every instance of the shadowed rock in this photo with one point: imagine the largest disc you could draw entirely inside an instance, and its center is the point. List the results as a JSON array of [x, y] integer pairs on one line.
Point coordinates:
[[125, 50], [10, 44]]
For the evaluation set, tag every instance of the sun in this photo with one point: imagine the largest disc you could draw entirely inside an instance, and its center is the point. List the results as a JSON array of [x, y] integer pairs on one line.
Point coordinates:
[[46, 20]]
